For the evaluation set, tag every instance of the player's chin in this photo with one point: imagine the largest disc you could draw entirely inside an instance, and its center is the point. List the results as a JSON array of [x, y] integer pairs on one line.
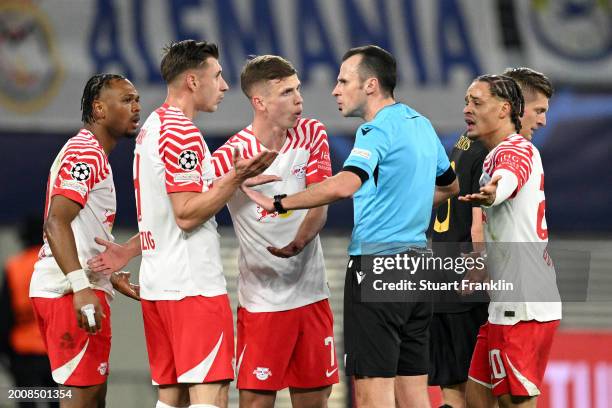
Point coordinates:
[[131, 133], [211, 108], [471, 135]]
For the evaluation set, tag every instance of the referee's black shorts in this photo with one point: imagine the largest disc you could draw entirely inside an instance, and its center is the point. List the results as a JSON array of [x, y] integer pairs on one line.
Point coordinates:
[[452, 341], [383, 339]]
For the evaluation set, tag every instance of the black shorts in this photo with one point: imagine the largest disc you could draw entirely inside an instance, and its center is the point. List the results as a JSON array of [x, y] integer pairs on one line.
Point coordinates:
[[383, 339], [451, 344]]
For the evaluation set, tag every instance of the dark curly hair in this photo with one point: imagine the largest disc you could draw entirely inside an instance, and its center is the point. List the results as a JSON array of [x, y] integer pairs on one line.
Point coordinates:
[[509, 90], [92, 91]]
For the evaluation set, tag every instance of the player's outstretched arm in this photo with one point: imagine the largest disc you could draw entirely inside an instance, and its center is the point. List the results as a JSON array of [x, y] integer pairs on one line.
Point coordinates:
[[309, 228], [62, 211], [115, 256], [342, 185], [499, 189], [193, 209]]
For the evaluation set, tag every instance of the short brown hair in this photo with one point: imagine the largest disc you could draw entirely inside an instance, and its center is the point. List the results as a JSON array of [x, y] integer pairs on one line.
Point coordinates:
[[183, 55], [531, 81], [264, 68]]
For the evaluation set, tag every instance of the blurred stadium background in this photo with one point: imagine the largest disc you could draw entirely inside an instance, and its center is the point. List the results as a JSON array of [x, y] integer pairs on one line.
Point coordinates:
[[48, 49]]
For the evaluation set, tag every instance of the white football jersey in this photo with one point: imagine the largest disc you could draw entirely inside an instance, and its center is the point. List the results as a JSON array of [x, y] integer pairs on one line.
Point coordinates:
[[80, 172], [517, 237], [171, 156], [268, 283]]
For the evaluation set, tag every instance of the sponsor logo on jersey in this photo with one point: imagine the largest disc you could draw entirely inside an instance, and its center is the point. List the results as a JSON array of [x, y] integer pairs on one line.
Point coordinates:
[[75, 186], [109, 218], [262, 373], [361, 153], [299, 170], [31, 71], [262, 214], [192, 176]]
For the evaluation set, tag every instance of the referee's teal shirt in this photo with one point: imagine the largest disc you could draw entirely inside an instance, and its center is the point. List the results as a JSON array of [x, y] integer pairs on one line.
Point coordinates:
[[401, 154]]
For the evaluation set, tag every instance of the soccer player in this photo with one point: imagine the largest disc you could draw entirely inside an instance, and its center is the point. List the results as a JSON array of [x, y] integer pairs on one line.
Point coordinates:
[[537, 91], [456, 320], [512, 348], [80, 205], [285, 324], [392, 172], [187, 317]]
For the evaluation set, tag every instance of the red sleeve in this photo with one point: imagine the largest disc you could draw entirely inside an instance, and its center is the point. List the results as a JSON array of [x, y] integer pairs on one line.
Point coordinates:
[[78, 172], [222, 159], [319, 163], [182, 152], [516, 159]]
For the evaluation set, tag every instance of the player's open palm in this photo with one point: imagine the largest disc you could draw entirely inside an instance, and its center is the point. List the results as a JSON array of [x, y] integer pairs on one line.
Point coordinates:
[[487, 193], [113, 259], [121, 283], [88, 320]]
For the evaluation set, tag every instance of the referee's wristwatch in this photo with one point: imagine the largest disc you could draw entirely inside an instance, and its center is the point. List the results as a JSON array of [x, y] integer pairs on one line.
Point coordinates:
[[277, 203]]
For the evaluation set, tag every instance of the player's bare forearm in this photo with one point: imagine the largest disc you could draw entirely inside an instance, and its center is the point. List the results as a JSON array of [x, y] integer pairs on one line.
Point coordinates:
[[133, 246], [342, 185], [443, 193], [60, 235], [313, 224], [309, 228], [477, 231], [193, 209]]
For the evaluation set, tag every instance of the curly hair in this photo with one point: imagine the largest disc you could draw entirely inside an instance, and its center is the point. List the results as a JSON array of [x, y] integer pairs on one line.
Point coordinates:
[[92, 91], [509, 90]]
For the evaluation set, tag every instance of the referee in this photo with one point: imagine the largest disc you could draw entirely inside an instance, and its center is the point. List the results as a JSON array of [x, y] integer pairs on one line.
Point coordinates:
[[396, 171]]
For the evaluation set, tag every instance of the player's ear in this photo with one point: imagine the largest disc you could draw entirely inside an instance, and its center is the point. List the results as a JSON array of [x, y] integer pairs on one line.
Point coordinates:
[[191, 80], [258, 103], [99, 110], [505, 110]]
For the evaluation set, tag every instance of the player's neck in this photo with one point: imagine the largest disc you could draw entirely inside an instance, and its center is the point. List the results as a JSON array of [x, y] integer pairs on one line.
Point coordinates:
[[106, 140], [375, 106], [272, 137], [183, 102], [497, 137]]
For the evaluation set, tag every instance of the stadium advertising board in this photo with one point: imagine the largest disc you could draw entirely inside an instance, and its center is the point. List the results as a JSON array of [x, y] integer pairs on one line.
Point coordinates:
[[50, 48]]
